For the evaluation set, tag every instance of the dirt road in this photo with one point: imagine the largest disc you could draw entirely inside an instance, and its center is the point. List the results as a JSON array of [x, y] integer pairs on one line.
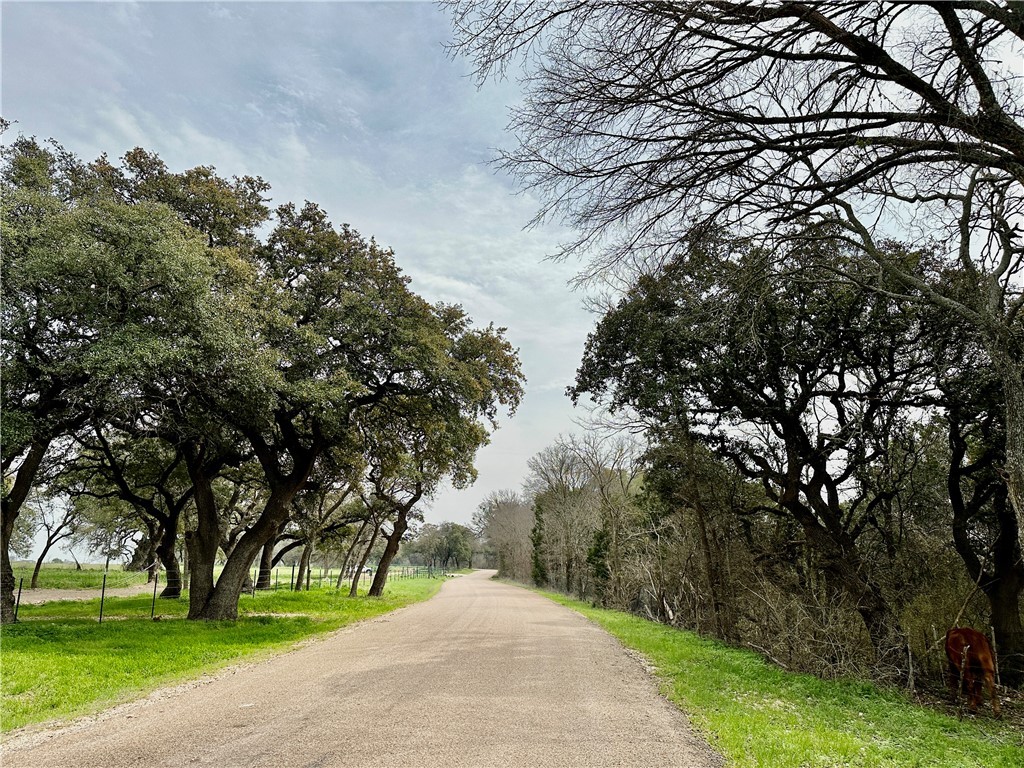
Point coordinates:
[[484, 674]]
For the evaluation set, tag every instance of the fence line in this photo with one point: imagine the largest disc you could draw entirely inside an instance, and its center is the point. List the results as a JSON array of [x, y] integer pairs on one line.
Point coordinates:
[[284, 577], [277, 579]]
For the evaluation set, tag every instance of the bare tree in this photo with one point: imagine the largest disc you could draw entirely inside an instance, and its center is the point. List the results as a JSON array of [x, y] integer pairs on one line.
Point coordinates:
[[567, 514], [505, 519], [645, 120], [614, 467]]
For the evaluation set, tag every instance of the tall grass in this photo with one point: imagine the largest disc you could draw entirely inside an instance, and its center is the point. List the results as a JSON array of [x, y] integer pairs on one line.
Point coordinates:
[[759, 715], [59, 662]]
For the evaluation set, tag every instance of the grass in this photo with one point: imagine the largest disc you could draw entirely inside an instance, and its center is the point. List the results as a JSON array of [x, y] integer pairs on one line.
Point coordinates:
[[759, 715], [65, 576], [59, 662]]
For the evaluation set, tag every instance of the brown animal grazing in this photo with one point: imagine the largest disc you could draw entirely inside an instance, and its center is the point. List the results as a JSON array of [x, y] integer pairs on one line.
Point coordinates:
[[970, 658]]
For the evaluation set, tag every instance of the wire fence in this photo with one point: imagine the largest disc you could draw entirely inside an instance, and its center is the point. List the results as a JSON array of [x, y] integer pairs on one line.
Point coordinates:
[[90, 584], [287, 577]]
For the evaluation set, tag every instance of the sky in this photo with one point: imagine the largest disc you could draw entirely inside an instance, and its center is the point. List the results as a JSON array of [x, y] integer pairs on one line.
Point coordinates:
[[355, 106]]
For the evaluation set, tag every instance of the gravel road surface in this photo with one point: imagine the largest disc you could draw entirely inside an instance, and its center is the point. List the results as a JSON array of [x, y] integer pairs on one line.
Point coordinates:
[[483, 674]]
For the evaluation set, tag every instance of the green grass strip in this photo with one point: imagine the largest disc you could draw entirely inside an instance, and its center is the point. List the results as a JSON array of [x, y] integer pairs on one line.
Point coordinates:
[[67, 577], [60, 662], [759, 715]]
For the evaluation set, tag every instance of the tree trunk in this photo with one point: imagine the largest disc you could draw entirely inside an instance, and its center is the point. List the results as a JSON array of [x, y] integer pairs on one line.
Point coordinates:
[[354, 589], [186, 570], [1003, 592], [1011, 374], [221, 603], [301, 577], [723, 629], [264, 574], [7, 572], [394, 541], [203, 542], [9, 509], [842, 567], [348, 553], [166, 551], [39, 565], [1004, 598]]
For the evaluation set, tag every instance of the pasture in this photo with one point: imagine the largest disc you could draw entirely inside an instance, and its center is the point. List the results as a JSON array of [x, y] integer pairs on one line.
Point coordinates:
[[60, 662]]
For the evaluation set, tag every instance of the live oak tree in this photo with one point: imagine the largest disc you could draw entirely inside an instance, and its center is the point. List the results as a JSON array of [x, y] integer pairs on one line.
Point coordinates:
[[800, 389], [408, 464], [350, 339], [146, 472], [437, 434], [100, 298], [644, 120], [143, 302]]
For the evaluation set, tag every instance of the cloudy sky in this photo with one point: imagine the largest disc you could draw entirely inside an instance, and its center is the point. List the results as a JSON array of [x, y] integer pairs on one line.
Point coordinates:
[[355, 106]]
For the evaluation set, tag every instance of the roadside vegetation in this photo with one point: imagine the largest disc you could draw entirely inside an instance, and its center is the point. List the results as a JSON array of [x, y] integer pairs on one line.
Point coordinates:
[[757, 714], [59, 662], [807, 369]]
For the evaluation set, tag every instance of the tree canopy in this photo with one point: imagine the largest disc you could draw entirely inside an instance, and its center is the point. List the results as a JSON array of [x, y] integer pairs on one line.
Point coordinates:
[[644, 123], [145, 305]]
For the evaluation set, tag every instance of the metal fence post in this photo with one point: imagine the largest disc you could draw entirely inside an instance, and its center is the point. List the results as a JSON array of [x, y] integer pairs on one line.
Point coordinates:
[[103, 595], [17, 603], [156, 581], [292, 585]]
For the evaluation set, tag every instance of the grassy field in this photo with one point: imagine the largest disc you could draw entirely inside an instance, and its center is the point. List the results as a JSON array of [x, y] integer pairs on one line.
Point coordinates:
[[59, 662], [66, 576], [759, 715]]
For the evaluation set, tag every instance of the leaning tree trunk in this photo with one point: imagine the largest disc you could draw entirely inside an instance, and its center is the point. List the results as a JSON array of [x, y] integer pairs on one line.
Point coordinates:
[[9, 509], [264, 574], [300, 578], [390, 550], [221, 603], [354, 589], [39, 565], [348, 553]]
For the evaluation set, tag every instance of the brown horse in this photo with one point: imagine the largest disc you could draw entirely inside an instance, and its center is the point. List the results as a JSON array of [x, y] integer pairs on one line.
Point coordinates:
[[971, 660]]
